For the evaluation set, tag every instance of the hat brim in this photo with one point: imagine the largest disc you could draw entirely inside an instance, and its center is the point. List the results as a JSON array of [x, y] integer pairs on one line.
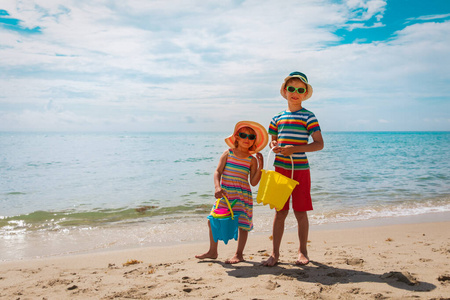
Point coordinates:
[[262, 138], [308, 87]]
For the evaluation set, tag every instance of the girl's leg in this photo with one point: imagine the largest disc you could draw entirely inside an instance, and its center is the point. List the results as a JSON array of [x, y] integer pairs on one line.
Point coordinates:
[[212, 252], [242, 240]]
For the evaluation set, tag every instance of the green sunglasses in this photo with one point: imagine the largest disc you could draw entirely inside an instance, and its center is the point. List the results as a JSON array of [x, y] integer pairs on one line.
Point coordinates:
[[243, 135], [299, 90]]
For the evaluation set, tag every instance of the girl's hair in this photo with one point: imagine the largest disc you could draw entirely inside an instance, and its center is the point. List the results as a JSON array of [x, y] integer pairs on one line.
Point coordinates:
[[253, 147]]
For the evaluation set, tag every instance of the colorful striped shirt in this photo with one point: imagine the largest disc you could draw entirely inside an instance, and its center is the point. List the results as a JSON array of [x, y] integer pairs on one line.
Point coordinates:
[[293, 128]]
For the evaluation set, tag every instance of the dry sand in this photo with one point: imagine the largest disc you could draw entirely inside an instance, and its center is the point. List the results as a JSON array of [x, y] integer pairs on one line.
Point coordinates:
[[409, 261]]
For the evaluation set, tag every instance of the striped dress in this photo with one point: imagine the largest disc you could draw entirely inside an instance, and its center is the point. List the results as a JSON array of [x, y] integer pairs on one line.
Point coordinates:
[[235, 183]]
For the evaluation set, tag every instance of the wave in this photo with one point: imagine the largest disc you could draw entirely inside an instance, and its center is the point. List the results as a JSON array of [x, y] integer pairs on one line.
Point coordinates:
[[69, 232], [400, 209], [50, 220], [194, 159], [100, 218]]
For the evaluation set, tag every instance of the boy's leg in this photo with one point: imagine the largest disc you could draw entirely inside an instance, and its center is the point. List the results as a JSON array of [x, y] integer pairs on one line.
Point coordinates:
[[212, 252], [303, 229], [278, 230], [302, 203], [242, 240]]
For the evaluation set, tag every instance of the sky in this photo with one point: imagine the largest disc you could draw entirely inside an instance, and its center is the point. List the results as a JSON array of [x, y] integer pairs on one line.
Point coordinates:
[[196, 65]]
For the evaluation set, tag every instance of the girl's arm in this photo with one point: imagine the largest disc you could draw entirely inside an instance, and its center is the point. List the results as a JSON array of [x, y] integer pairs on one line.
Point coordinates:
[[255, 169], [218, 191]]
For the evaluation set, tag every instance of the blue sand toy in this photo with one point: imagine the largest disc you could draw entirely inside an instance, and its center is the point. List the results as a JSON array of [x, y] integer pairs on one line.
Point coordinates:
[[224, 226]]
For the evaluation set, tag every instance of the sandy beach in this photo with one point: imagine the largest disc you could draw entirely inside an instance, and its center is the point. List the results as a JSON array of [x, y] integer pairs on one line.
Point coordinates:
[[400, 261]]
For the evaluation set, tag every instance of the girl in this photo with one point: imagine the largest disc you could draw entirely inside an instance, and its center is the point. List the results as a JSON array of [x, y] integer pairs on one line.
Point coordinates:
[[231, 179]]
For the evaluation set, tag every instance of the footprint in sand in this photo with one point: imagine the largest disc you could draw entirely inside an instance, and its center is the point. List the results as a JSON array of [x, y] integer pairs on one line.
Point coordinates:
[[187, 279], [354, 261], [444, 278], [272, 285]]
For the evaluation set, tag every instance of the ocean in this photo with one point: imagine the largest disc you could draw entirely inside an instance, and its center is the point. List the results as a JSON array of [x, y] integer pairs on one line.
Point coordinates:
[[68, 193]]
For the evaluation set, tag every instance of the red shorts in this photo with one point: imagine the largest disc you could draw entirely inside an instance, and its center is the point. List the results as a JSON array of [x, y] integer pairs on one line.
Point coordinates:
[[301, 195]]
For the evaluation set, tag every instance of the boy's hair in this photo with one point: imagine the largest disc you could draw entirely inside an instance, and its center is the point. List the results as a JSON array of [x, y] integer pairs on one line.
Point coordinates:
[[236, 144]]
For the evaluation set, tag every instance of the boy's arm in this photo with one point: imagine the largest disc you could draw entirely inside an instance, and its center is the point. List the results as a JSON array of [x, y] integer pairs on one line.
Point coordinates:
[[218, 191], [316, 145]]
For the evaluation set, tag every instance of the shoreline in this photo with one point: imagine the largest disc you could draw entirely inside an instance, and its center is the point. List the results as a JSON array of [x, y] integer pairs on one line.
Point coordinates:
[[410, 259], [201, 235]]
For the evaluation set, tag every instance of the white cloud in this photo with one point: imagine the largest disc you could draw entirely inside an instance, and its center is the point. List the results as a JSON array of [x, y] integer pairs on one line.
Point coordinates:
[[363, 10], [128, 63], [429, 17]]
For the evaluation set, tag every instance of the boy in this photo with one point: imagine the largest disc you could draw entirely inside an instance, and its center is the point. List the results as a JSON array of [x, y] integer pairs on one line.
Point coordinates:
[[290, 130]]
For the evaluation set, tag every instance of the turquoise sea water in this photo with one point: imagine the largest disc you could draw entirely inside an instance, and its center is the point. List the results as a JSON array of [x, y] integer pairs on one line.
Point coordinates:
[[71, 193]]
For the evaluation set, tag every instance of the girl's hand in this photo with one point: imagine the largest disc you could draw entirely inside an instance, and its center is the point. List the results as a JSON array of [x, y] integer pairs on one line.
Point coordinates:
[[219, 193], [260, 159]]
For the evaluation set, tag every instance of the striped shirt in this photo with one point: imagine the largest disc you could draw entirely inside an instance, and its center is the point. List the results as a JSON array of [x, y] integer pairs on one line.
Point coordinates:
[[293, 128]]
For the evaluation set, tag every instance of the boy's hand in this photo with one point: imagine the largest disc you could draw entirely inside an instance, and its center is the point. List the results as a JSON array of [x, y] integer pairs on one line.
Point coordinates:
[[273, 144], [287, 150], [219, 193]]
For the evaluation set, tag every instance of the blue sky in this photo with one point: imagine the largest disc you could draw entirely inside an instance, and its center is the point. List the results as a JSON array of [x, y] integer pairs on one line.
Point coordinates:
[[189, 65]]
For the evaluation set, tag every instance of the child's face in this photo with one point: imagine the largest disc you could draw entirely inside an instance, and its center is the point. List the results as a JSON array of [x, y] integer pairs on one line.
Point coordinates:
[[245, 143], [294, 97]]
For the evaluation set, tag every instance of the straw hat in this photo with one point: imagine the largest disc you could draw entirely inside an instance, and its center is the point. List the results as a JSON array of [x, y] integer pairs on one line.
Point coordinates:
[[262, 137], [303, 78]]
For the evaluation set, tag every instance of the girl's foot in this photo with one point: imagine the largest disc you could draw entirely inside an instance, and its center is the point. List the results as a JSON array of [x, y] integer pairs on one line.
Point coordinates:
[[302, 260], [208, 254], [235, 259]]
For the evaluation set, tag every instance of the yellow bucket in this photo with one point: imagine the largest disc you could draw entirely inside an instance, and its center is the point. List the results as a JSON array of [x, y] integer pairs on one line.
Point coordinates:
[[275, 188]]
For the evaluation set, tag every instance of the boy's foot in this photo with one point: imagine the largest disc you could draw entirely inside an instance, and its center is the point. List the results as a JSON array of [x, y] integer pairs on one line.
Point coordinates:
[[302, 260], [235, 259], [272, 261], [207, 255]]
